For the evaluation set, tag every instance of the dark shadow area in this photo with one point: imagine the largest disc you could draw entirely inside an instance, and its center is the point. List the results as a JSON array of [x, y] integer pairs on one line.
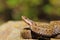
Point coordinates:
[[7, 14]]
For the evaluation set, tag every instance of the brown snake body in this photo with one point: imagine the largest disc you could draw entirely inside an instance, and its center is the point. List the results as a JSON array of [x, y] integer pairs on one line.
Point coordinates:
[[49, 29]]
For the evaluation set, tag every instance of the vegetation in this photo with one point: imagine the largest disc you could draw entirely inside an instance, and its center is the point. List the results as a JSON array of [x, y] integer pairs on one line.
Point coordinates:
[[14, 9]]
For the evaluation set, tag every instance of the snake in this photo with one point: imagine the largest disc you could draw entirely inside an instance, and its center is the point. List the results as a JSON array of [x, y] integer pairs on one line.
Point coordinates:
[[49, 29]]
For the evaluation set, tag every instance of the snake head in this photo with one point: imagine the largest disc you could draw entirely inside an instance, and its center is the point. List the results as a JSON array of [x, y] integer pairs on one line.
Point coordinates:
[[27, 20]]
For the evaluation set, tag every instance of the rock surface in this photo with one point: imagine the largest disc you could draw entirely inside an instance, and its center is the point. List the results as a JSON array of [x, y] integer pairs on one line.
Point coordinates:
[[14, 30], [11, 30]]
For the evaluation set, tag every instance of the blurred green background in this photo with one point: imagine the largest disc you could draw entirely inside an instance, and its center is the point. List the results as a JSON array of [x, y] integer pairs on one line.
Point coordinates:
[[36, 10]]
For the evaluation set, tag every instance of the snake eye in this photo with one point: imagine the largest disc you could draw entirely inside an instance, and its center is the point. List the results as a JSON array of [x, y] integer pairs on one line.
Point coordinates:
[[25, 17]]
